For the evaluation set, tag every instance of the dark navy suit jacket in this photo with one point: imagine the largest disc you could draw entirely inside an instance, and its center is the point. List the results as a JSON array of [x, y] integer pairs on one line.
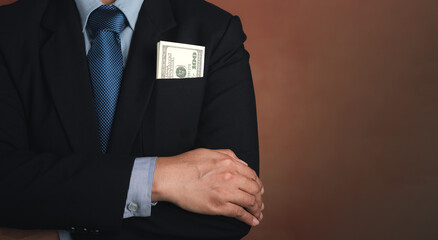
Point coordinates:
[[52, 174]]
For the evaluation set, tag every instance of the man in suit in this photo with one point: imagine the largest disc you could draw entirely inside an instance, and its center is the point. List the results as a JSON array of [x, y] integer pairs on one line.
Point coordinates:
[[72, 162]]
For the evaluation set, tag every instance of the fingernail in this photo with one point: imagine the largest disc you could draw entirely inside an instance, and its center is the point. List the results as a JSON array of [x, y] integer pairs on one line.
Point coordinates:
[[255, 222], [263, 206], [263, 190], [261, 216], [243, 162]]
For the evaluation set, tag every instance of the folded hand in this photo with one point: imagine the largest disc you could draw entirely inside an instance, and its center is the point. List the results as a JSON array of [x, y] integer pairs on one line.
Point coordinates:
[[213, 182]]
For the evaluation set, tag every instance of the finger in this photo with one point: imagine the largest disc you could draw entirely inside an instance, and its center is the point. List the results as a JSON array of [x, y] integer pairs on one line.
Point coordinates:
[[260, 205], [254, 204], [260, 183], [259, 201], [247, 201], [239, 213], [249, 173], [254, 187], [250, 186], [231, 154], [246, 195]]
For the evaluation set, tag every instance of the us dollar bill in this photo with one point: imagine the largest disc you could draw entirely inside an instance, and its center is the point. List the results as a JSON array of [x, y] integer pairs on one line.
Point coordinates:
[[179, 60]]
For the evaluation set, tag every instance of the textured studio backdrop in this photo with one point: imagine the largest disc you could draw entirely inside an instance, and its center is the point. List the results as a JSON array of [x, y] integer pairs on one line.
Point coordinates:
[[347, 96]]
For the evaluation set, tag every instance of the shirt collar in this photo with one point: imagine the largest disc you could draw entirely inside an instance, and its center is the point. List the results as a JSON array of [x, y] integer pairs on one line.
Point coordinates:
[[130, 8]]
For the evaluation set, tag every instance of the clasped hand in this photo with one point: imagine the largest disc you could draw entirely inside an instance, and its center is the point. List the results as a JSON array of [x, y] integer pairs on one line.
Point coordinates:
[[213, 182]]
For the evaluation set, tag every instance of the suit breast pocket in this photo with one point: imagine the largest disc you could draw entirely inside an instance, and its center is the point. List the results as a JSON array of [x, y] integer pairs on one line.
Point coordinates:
[[172, 92], [179, 86], [176, 106]]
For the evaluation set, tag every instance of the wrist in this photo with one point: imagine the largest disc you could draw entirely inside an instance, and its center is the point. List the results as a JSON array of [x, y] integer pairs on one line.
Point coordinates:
[[159, 182]]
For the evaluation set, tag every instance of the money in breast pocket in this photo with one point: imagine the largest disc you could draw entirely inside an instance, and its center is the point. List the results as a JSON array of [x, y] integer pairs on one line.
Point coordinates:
[[179, 60]]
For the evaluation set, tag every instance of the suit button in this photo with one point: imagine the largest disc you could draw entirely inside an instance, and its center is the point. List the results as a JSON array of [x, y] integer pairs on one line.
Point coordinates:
[[132, 207], [85, 229]]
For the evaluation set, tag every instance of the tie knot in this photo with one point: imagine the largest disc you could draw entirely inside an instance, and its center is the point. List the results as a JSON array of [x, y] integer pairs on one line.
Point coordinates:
[[106, 18]]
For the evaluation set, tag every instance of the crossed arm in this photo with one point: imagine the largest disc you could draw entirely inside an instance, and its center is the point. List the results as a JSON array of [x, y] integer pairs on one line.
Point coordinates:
[[204, 181], [211, 182]]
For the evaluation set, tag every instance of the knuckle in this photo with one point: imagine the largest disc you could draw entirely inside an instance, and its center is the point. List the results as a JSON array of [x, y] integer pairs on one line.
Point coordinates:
[[239, 213], [243, 181], [252, 187], [214, 204], [229, 151], [255, 188], [227, 176], [254, 174], [227, 162], [252, 201], [201, 151]]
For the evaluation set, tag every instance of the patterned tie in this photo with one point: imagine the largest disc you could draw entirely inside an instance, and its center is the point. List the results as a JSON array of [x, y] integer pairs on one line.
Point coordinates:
[[105, 62]]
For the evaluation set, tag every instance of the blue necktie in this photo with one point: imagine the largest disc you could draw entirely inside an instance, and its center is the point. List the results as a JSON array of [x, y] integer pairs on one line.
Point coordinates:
[[105, 62]]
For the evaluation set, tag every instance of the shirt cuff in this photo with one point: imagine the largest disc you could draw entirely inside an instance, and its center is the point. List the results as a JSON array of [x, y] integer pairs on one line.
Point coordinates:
[[64, 235], [138, 202]]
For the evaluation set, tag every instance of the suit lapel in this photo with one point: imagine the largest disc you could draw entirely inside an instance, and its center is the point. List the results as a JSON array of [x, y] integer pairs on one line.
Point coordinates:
[[66, 70], [155, 17]]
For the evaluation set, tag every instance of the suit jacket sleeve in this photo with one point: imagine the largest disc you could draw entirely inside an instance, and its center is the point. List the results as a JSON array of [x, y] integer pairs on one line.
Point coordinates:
[[49, 190], [228, 120]]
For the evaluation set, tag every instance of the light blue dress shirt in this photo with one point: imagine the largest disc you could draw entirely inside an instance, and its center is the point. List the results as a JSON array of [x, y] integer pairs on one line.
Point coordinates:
[[138, 202]]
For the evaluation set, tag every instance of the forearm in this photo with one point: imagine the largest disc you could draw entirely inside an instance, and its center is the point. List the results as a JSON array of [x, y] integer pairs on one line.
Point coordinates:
[[198, 195], [228, 121], [138, 201], [63, 192], [182, 224]]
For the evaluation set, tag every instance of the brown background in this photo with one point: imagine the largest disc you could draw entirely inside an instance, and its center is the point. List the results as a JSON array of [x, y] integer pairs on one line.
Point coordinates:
[[347, 97]]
